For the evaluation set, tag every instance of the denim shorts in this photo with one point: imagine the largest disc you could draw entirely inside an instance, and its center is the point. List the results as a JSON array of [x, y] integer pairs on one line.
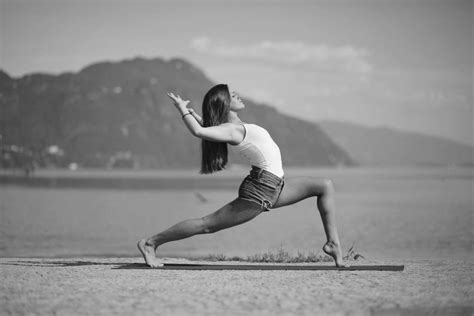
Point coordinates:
[[262, 187]]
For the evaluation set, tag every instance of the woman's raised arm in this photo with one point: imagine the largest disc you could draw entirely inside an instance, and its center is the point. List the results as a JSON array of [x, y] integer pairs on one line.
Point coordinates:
[[196, 116], [223, 133]]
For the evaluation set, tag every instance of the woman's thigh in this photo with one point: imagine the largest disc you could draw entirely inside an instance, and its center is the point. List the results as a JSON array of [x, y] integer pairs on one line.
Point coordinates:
[[299, 188], [234, 213]]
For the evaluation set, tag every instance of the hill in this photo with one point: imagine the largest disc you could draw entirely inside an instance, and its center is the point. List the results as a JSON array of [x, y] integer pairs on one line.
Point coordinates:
[[385, 146], [120, 110]]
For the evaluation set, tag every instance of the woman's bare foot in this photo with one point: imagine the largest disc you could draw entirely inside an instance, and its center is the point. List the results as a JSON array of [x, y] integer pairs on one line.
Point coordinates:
[[148, 253], [334, 250]]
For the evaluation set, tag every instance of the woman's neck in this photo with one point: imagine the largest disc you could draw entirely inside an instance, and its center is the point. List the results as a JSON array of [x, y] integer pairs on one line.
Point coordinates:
[[233, 117]]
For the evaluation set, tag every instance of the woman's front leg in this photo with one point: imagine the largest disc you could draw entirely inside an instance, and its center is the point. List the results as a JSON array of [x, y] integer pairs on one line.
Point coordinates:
[[234, 213], [299, 188]]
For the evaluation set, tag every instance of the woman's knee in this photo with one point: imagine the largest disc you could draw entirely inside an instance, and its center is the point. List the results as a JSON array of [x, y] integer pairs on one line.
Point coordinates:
[[322, 186], [209, 225], [329, 186]]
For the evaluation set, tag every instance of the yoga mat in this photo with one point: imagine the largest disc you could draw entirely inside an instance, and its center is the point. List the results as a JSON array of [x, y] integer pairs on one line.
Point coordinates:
[[192, 266]]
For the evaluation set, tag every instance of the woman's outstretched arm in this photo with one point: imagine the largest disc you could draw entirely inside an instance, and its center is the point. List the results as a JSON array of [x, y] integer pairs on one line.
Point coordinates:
[[196, 116], [222, 133]]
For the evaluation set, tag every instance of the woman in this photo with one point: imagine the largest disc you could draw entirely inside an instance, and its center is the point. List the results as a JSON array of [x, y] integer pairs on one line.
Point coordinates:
[[263, 189]]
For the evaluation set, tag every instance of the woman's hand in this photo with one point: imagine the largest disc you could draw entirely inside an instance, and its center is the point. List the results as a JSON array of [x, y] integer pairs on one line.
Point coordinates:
[[179, 103]]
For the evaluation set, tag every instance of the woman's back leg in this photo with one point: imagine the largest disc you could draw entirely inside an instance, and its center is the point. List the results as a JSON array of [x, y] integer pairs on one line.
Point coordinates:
[[234, 213]]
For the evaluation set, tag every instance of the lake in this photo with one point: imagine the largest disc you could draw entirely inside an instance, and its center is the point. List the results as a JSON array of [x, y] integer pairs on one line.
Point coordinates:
[[413, 213]]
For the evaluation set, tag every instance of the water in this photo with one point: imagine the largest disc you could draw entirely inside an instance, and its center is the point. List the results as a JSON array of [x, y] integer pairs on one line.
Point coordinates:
[[387, 213]]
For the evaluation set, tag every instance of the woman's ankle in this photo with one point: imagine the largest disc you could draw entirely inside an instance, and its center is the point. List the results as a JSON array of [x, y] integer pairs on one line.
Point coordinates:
[[333, 242], [150, 243]]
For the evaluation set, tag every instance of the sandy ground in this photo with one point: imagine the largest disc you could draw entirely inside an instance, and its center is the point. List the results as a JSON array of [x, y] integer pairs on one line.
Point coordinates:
[[121, 286]]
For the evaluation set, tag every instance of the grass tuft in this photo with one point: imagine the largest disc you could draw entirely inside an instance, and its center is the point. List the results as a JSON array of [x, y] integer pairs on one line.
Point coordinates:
[[352, 255], [283, 256]]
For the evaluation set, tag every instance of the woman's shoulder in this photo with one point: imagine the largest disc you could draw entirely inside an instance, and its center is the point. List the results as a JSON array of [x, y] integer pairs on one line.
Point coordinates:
[[238, 130]]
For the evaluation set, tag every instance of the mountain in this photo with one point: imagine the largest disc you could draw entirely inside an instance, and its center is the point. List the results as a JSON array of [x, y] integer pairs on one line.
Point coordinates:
[[385, 146], [110, 110]]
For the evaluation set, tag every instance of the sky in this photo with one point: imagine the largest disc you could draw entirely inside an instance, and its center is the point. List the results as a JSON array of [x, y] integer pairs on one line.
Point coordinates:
[[404, 64]]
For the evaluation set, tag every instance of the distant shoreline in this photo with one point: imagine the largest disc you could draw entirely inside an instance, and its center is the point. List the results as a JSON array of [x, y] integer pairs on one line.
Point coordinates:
[[129, 182], [191, 179]]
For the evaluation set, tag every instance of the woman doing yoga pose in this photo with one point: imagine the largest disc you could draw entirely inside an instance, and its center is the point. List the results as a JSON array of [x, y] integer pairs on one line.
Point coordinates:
[[263, 189]]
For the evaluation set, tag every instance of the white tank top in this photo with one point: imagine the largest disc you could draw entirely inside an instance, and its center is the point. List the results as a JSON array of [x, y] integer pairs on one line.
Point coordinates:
[[259, 149]]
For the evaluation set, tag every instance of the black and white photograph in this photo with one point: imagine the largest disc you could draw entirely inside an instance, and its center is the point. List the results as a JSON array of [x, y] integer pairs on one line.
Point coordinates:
[[236, 157]]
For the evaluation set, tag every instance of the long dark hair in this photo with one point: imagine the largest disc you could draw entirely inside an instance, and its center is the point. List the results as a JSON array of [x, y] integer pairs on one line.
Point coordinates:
[[215, 111]]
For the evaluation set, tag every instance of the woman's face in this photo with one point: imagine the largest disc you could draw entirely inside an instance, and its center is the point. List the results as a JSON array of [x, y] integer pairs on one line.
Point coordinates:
[[236, 103]]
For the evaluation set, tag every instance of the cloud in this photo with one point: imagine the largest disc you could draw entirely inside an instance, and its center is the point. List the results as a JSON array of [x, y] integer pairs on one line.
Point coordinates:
[[437, 98], [320, 57]]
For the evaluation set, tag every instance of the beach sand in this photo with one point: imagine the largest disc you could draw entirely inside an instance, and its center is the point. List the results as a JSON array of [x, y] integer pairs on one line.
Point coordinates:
[[122, 286]]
